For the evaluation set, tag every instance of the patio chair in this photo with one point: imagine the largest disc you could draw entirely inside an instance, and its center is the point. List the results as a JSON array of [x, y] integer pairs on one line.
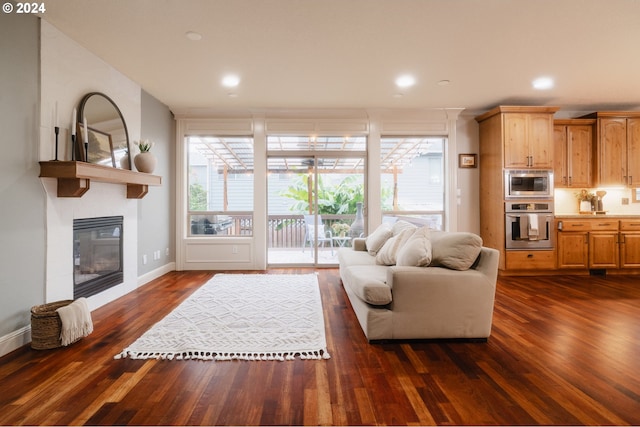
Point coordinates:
[[323, 237]]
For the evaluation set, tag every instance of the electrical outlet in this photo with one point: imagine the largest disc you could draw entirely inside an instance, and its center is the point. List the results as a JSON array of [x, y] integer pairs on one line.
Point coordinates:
[[166, 252], [234, 249], [144, 259], [625, 200]]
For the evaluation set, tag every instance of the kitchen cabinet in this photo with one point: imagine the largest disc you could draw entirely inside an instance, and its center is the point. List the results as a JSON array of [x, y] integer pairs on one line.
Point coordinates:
[[572, 157], [528, 141], [598, 243], [630, 243], [604, 249], [573, 244], [530, 260], [617, 148], [511, 137]]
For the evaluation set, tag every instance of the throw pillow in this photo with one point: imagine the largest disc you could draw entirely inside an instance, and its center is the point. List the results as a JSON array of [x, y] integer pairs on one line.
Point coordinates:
[[455, 250], [416, 252], [376, 239], [388, 253], [402, 225]]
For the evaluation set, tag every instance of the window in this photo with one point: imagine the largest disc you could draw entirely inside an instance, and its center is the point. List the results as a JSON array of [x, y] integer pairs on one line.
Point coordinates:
[[220, 197], [412, 179]]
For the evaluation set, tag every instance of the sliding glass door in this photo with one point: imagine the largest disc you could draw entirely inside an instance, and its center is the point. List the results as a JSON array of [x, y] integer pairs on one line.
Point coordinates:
[[312, 202]]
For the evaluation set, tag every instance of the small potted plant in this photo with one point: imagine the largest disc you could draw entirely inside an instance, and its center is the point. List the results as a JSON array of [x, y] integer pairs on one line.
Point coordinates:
[[145, 161], [586, 199], [340, 228]]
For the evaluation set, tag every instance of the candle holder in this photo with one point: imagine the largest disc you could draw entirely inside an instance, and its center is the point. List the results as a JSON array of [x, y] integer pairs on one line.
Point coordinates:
[[57, 132], [86, 152], [73, 147]]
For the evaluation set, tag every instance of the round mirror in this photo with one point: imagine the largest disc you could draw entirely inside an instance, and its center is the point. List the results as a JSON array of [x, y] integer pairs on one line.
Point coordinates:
[[103, 138]]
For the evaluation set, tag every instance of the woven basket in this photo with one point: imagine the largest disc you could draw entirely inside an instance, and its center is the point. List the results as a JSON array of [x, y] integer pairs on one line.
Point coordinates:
[[46, 325]]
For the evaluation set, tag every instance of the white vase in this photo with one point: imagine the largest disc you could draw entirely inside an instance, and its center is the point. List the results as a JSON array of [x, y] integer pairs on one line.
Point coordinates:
[[145, 162], [357, 227]]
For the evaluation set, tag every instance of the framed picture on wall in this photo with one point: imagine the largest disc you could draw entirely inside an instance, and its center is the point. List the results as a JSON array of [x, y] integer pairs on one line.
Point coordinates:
[[100, 150], [467, 160]]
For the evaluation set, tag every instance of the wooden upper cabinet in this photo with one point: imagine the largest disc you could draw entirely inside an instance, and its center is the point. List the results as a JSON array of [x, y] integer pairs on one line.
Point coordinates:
[[612, 147], [528, 140], [618, 148], [573, 146], [560, 156], [633, 151]]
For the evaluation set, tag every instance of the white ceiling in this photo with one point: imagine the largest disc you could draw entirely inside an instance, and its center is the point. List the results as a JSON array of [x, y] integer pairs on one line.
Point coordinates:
[[347, 53]]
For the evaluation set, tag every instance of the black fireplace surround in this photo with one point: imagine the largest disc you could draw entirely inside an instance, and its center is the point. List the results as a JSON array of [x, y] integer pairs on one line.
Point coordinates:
[[97, 255]]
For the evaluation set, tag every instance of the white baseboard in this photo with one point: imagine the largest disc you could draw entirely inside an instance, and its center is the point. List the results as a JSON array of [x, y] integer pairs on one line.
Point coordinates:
[[154, 274], [15, 340]]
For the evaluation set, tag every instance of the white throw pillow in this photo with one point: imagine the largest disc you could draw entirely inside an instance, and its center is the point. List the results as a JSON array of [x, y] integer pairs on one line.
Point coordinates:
[[378, 238], [388, 253], [455, 250], [401, 225], [416, 252]]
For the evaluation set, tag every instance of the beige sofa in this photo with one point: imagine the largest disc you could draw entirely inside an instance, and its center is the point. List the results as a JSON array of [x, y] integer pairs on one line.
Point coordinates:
[[432, 300]]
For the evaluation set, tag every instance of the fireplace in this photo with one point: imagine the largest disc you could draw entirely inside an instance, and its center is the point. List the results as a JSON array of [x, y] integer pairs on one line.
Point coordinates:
[[97, 255]]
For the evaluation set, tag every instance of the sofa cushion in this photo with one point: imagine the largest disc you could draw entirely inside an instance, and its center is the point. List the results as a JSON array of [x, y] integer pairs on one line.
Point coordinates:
[[368, 282], [416, 252], [348, 257], [455, 250], [376, 239], [388, 253]]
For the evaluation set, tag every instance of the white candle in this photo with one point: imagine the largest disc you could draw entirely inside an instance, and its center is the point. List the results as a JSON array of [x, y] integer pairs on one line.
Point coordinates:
[[86, 134], [73, 122]]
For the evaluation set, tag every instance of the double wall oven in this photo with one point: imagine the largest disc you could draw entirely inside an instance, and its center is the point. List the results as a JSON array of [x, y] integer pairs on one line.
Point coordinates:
[[529, 222]]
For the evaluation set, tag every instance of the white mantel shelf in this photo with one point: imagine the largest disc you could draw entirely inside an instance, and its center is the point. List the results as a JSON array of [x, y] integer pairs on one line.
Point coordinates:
[[74, 178]]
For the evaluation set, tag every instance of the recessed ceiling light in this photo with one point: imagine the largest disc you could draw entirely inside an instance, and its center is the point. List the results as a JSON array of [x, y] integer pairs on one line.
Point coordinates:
[[192, 35], [405, 81], [444, 82], [542, 83], [230, 80]]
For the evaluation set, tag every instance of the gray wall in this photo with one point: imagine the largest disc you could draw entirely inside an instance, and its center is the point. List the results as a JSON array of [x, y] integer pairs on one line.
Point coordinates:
[[22, 201], [156, 211]]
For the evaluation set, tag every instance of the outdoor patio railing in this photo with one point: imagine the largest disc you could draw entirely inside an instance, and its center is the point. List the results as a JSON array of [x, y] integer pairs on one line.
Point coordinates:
[[288, 231]]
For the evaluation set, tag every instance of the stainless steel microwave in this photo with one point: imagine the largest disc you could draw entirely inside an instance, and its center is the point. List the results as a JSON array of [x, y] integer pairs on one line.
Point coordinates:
[[528, 184]]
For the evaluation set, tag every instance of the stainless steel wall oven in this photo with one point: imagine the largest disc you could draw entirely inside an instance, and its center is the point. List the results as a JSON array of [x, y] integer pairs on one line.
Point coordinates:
[[529, 224]]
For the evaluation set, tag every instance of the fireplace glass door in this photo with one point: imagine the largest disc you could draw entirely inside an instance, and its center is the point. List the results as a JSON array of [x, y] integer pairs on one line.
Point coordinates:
[[97, 255]]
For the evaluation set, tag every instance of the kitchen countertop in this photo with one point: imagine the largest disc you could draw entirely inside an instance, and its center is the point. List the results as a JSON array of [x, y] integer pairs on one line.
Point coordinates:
[[594, 216]]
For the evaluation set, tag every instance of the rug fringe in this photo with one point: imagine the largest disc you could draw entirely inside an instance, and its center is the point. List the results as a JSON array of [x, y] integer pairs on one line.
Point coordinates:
[[208, 355]]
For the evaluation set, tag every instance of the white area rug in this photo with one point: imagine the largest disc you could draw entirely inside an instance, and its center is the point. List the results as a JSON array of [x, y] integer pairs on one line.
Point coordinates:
[[241, 316]]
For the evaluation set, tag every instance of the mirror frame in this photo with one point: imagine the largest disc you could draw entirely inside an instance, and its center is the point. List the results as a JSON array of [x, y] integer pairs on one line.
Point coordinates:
[[80, 152]]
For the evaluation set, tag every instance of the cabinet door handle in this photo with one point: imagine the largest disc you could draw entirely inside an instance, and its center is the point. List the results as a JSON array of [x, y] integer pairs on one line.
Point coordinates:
[[570, 181]]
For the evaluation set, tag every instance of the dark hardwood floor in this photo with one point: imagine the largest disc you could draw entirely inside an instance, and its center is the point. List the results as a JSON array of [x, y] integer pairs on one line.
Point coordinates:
[[564, 350]]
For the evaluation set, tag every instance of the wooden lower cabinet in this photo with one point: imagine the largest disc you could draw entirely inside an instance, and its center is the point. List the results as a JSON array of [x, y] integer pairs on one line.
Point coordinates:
[[573, 249], [603, 249], [598, 244], [530, 260], [630, 244]]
